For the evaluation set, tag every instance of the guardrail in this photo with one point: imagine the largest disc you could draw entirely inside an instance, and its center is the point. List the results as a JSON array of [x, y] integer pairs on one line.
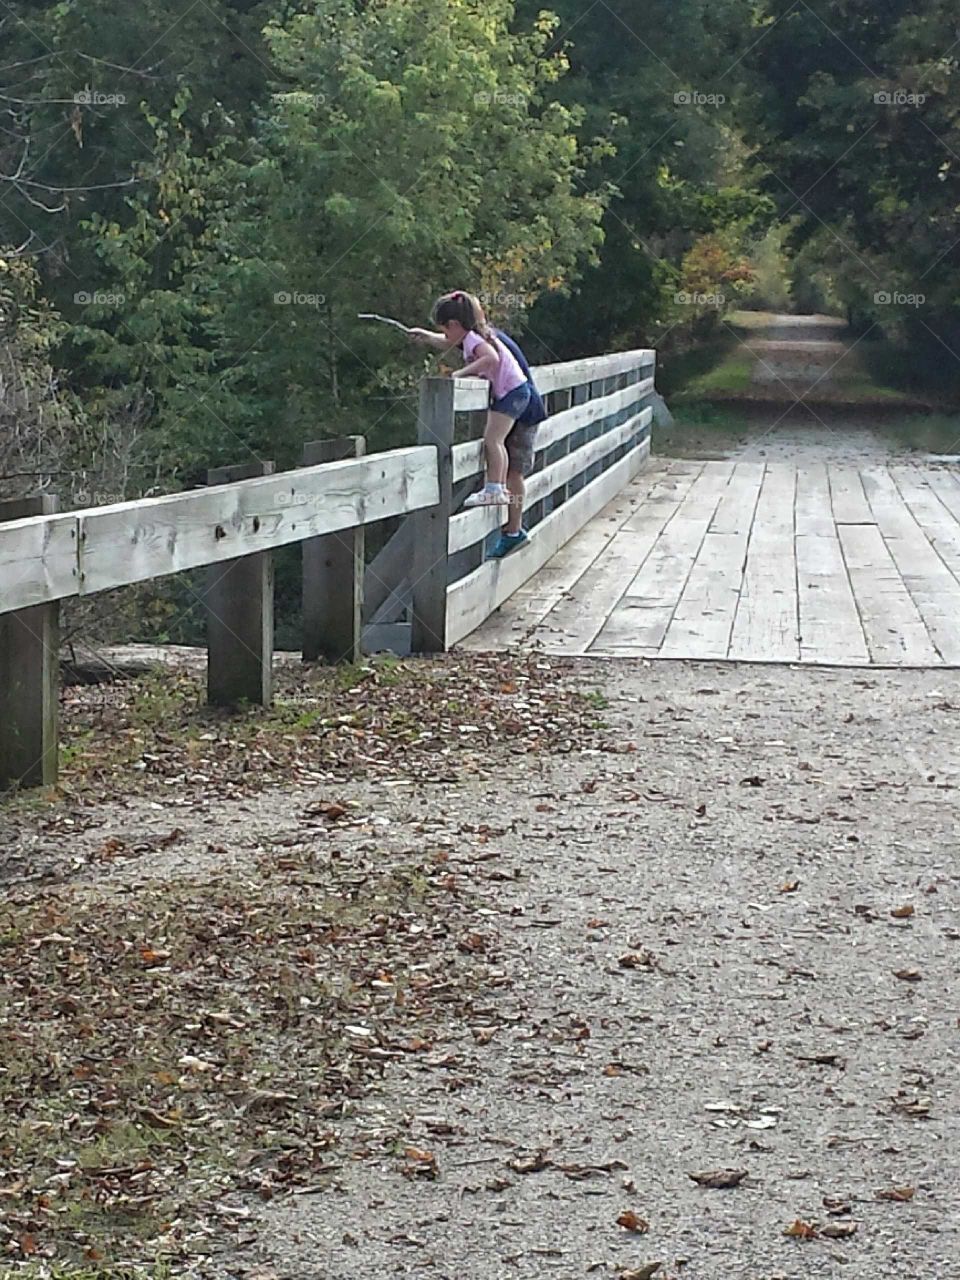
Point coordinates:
[[428, 588]]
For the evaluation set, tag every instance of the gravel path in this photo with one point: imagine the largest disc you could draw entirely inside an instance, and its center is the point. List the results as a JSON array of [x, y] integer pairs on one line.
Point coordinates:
[[695, 968]]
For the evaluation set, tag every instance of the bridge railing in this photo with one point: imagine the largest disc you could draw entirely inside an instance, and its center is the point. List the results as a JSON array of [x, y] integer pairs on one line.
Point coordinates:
[[428, 588]]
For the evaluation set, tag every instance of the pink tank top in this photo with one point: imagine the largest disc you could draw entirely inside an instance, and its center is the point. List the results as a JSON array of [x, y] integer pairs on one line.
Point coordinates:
[[507, 376]]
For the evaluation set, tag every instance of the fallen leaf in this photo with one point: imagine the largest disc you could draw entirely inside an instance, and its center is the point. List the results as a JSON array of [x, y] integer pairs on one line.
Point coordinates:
[[802, 1230], [151, 957], [28, 1245], [791, 886], [900, 1195], [637, 960], [908, 975], [902, 913], [530, 1164], [839, 1230], [821, 1059], [630, 1222], [414, 1153], [719, 1178], [640, 1273], [483, 1035]]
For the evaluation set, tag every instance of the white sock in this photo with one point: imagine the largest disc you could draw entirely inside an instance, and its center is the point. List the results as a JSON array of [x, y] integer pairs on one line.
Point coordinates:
[[493, 487]]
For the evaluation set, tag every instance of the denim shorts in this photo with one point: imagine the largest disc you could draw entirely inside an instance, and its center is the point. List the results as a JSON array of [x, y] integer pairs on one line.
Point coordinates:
[[514, 403]]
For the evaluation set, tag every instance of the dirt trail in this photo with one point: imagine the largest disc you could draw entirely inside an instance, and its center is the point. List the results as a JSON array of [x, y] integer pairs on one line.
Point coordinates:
[[690, 963]]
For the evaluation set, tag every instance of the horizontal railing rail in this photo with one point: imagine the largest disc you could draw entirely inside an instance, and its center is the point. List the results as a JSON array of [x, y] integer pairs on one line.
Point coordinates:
[[428, 587]]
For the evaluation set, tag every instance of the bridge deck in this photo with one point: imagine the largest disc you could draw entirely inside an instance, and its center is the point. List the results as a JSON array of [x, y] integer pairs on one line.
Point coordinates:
[[755, 561]]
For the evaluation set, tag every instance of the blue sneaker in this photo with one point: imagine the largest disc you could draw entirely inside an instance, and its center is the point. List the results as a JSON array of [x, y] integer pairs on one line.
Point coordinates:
[[508, 542]]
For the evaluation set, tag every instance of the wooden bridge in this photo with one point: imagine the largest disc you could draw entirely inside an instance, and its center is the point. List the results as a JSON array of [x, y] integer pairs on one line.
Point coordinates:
[[743, 561], [756, 562], [429, 587]]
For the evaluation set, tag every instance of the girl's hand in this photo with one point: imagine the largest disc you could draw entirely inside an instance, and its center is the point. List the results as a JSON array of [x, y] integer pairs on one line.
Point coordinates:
[[420, 336]]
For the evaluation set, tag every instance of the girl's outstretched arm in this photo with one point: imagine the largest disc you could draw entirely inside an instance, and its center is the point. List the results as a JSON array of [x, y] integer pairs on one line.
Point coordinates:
[[428, 338]]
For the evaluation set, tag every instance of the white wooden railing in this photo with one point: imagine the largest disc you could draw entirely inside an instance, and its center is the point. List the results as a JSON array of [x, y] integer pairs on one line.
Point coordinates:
[[428, 588]]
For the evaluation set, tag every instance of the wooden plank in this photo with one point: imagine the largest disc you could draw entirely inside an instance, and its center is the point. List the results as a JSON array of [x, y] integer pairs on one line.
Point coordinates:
[[29, 677], [703, 622], [136, 541], [430, 570], [574, 624], [932, 587], [333, 573], [471, 526], [946, 485], [646, 608], [470, 394], [814, 511], [570, 373], [766, 625], [238, 601], [892, 624], [848, 500], [468, 457], [940, 525], [386, 572], [471, 600], [38, 560], [518, 618], [830, 627]]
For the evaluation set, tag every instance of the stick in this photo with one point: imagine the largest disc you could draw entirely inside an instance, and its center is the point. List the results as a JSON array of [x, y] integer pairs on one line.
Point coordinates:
[[366, 315]]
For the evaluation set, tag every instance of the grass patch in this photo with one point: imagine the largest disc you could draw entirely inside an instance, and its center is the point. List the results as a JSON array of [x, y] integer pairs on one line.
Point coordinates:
[[427, 720]]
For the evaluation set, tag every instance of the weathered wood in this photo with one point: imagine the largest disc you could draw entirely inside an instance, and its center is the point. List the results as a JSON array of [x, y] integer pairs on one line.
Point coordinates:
[[387, 572], [570, 373], [645, 609], [572, 417], [333, 573], [238, 600], [470, 394], [703, 619], [474, 597], [584, 610], [38, 559], [767, 625], [136, 541], [517, 619], [892, 624], [430, 574], [469, 527], [29, 675], [932, 587]]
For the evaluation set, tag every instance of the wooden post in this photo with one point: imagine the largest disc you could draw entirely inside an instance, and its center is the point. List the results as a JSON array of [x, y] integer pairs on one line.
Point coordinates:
[[333, 573], [432, 526], [29, 676], [239, 606]]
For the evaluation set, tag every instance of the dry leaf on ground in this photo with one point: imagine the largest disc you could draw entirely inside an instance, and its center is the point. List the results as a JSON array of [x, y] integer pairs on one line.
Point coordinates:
[[631, 1222], [719, 1178], [801, 1230], [899, 1195]]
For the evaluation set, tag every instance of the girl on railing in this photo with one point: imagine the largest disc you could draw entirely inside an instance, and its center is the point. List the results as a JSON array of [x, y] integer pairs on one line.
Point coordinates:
[[461, 318]]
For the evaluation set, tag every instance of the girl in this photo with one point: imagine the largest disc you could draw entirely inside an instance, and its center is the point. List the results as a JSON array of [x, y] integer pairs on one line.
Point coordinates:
[[461, 318]]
